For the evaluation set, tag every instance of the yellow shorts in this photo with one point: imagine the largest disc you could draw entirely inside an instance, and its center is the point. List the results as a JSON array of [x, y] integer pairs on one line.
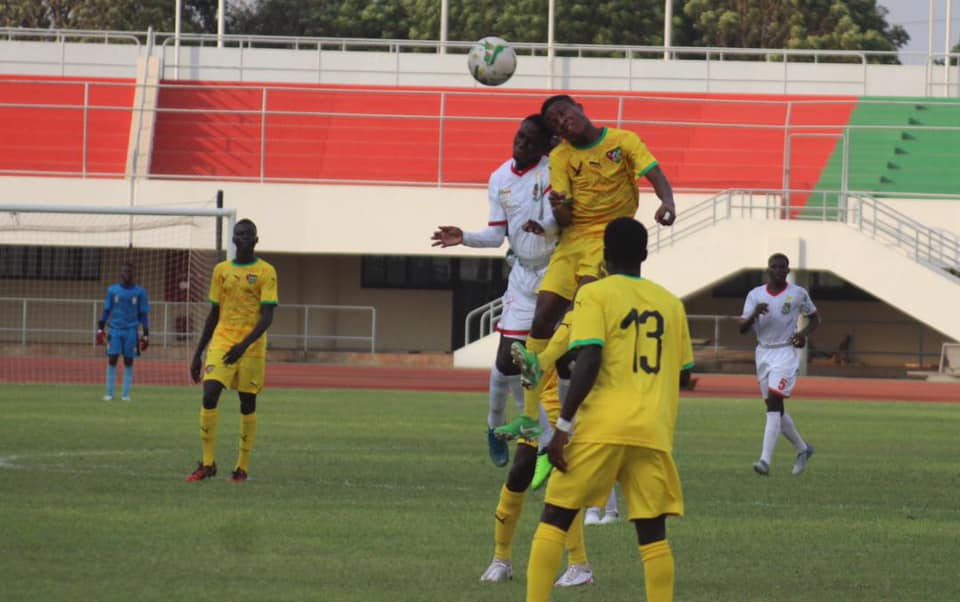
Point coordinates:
[[572, 260], [245, 375], [648, 479]]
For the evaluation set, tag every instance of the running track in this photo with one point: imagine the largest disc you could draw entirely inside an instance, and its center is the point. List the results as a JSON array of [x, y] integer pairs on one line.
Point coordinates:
[[337, 376]]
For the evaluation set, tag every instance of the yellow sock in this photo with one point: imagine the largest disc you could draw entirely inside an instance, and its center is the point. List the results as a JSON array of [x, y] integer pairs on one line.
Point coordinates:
[[248, 432], [505, 523], [576, 548], [658, 571], [546, 554], [208, 433], [554, 349], [531, 396]]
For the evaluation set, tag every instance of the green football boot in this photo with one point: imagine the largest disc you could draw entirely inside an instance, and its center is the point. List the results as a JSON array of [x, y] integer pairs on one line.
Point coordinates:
[[520, 427], [529, 364], [542, 472]]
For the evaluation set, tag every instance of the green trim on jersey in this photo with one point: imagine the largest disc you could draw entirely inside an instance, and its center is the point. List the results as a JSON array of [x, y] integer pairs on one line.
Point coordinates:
[[603, 134], [585, 342], [269, 302], [687, 366], [243, 265], [647, 169]]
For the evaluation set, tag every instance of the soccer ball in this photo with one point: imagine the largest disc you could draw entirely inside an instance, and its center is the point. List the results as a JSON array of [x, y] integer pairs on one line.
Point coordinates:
[[492, 61]]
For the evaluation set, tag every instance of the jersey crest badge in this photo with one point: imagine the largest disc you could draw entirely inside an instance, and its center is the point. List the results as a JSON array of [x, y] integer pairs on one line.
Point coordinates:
[[615, 155], [251, 278], [786, 306]]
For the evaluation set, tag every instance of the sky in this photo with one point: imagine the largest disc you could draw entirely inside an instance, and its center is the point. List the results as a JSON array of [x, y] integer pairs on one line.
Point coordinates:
[[914, 16]]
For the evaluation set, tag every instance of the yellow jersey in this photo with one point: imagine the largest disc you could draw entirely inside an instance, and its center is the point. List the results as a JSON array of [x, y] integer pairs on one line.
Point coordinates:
[[643, 330], [239, 289], [601, 178]]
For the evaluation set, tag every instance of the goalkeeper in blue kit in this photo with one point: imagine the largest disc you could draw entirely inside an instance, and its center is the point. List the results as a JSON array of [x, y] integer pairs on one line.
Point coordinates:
[[125, 310]]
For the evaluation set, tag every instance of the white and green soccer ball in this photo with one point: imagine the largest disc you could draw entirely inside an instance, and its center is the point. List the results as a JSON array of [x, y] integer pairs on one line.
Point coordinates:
[[492, 61]]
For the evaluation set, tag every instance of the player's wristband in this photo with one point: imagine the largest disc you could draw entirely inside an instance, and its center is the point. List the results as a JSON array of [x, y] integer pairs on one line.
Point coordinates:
[[564, 425]]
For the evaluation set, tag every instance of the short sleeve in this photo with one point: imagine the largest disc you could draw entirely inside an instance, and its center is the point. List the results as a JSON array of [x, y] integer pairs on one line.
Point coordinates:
[[806, 306], [639, 155], [268, 292], [749, 305], [559, 178], [216, 285], [108, 301], [588, 326]]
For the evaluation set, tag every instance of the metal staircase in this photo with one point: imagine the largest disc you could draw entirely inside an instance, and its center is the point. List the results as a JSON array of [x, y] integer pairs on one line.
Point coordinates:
[[859, 213]]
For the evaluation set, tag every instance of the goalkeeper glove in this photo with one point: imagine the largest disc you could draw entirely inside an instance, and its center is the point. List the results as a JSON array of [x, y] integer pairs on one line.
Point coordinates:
[[144, 342], [101, 337]]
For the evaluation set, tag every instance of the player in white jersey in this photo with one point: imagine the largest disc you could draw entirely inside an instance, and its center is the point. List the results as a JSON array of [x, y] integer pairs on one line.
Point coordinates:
[[520, 212], [773, 311]]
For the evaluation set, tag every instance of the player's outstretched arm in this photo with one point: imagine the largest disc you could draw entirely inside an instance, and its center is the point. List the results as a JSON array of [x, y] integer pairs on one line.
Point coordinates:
[[667, 212], [585, 371], [447, 236]]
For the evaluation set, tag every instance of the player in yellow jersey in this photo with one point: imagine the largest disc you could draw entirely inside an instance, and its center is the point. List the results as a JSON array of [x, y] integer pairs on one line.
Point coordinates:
[[243, 295], [633, 355], [510, 507], [593, 178]]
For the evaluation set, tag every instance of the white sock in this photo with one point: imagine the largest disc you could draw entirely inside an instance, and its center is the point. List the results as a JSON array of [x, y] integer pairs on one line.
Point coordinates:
[[516, 389], [611, 502], [547, 429], [499, 387], [789, 430], [770, 434]]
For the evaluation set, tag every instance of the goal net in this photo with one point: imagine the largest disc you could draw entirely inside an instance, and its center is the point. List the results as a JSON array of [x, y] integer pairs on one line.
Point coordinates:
[[56, 263], [950, 360]]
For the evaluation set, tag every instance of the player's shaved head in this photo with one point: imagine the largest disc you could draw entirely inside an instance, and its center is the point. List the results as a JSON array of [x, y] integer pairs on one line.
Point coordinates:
[[625, 243]]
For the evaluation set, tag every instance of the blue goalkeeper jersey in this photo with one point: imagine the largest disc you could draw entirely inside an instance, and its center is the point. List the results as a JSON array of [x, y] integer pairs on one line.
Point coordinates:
[[124, 305]]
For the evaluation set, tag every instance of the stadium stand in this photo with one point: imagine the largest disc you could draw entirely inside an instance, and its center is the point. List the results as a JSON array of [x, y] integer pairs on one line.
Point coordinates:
[[46, 123]]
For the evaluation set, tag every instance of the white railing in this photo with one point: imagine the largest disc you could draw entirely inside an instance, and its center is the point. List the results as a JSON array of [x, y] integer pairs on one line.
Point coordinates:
[[705, 67], [937, 249], [482, 320], [175, 324]]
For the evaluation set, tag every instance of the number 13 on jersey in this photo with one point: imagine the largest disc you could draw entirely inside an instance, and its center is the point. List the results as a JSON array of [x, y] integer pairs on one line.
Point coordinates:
[[647, 327]]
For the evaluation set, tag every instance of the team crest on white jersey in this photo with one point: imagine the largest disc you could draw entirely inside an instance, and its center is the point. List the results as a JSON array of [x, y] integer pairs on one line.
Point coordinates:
[[505, 198], [787, 304]]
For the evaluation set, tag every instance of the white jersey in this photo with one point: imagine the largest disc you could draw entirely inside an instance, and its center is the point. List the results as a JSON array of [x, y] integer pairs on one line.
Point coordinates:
[[776, 327], [516, 197]]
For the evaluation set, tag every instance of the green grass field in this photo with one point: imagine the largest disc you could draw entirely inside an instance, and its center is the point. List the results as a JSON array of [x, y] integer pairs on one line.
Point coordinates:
[[366, 496]]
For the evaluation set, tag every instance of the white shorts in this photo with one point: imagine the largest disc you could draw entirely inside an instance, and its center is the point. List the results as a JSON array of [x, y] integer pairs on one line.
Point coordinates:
[[519, 301], [777, 369]]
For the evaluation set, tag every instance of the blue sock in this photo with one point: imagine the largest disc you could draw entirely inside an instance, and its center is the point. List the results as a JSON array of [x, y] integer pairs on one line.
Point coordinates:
[[111, 378], [127, 379]]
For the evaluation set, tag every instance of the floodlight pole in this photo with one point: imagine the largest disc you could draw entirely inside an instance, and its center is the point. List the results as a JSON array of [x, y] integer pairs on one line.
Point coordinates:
[[667, 28], [220, 23], [178, 8], [551, 15], [444, 16], [946, 50]]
